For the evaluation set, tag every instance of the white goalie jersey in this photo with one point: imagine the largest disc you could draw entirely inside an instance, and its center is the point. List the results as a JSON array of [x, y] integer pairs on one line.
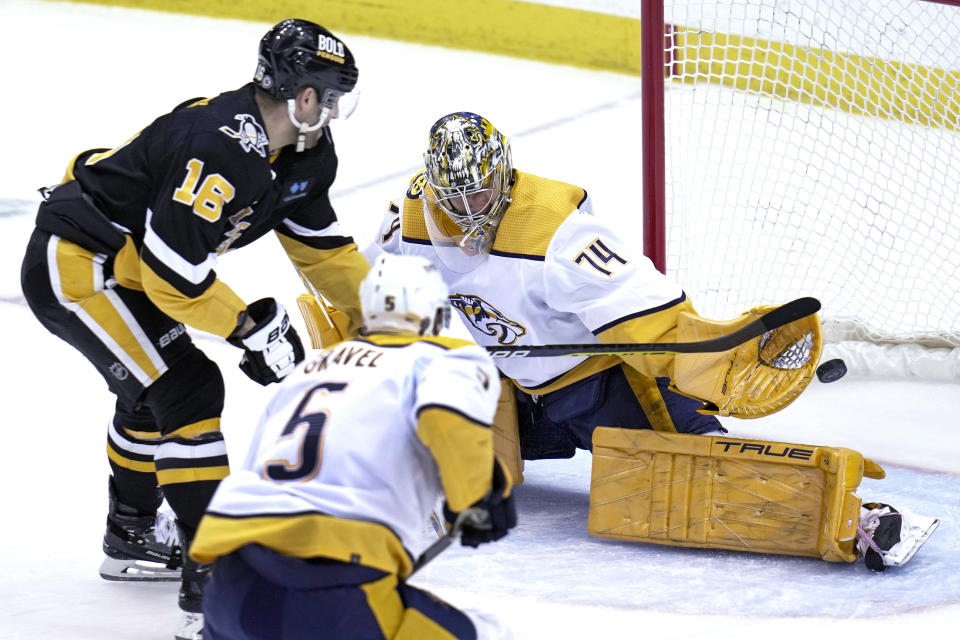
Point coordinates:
[[353, 452], [556, 275]]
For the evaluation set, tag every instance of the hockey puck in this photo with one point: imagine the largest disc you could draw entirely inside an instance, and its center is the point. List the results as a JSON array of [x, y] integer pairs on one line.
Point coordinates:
[[831, 370]]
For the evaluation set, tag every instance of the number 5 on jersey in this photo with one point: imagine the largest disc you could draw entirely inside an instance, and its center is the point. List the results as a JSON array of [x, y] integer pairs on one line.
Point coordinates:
[[306, 425], [209, 198]]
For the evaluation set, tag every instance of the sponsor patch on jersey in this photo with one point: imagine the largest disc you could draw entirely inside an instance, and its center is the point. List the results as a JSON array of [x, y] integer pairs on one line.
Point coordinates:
[[487, 319], [250, 133], [295, 189]]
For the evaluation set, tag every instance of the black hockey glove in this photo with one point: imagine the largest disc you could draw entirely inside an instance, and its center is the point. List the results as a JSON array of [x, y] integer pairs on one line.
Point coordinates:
[[499, 510], [272, 347]]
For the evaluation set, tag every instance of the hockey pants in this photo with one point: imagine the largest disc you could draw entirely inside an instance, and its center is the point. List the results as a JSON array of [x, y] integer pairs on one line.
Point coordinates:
[[257, 594]]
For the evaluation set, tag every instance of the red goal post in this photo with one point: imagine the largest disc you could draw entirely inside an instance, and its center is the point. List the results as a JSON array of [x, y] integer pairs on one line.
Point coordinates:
[[809, 147]]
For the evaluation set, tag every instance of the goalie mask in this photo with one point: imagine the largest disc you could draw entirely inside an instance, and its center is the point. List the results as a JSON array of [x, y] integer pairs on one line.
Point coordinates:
[[469, 174], [404, 294], [296, 54]]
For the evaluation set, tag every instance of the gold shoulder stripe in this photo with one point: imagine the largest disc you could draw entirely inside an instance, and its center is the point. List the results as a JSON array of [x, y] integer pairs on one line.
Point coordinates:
[[539, 207], [414, 227]]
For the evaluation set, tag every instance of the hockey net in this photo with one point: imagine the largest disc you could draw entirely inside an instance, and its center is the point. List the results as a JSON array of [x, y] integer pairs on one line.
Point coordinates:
[[811, 147]]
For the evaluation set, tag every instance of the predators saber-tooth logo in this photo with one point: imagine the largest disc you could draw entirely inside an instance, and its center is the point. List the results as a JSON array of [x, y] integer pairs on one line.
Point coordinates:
[[487, 319]]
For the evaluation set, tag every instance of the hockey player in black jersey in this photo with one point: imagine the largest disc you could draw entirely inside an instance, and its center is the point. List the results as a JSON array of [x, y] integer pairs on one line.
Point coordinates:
[[123, 256]]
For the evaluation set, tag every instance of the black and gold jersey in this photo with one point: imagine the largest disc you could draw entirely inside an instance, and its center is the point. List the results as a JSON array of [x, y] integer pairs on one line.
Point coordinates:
[[200, 181]]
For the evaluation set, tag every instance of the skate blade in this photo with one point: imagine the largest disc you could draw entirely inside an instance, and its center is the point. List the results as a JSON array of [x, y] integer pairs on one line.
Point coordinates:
[[191, 627], [136, 571], [921, 528]]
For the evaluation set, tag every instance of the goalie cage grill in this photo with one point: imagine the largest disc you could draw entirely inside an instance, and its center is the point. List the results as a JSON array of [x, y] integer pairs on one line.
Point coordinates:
[[808, 149]]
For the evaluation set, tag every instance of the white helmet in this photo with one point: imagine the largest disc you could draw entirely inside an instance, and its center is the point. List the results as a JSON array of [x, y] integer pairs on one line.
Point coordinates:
[[404, 294]]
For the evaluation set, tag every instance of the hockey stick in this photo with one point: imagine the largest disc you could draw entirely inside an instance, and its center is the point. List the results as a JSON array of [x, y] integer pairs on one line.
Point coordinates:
[[312, 290], [473, 516], [782, 315]]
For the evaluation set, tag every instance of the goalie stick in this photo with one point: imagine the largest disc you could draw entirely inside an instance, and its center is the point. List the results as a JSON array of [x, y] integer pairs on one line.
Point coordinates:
[[472, 515], [774, 319]]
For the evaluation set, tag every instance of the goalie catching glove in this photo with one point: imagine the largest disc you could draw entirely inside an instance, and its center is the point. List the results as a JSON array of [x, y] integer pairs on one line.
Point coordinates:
[[271, 347], [755, 379], [494, 514]]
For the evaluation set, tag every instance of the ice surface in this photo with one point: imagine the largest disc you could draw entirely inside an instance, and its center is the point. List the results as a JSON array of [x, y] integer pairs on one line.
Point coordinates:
[[78, 77]]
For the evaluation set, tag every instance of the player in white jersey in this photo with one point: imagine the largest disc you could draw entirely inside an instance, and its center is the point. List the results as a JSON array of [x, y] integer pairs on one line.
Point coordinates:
[[527, 262], [315, 534]]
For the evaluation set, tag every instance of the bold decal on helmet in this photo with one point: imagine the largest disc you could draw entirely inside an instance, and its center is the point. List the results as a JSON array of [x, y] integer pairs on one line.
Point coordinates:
[[487, 319], [330, 49], [285, 65], [250, 133]]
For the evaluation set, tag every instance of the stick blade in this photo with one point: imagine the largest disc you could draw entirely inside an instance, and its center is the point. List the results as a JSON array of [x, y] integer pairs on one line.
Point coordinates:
[[790, 312]]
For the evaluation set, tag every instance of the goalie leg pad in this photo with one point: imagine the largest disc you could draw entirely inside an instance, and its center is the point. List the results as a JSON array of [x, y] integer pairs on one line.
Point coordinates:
[[506, 431], [718, 492]]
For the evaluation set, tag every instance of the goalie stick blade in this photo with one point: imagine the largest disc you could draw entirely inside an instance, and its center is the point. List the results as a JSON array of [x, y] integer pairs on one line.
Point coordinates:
[[773, 319], [790, 312]]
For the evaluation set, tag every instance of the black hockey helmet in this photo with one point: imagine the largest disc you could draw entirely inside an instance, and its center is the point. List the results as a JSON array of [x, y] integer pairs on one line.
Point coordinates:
[[297, 53]]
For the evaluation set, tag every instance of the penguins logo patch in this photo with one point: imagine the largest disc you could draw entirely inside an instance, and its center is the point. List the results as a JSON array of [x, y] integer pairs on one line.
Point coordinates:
[[250, 133]]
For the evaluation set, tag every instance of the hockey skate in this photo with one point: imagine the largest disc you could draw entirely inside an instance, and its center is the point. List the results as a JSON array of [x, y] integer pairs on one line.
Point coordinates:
[[191, 600], [889, 537], [139, 546], [191, 627]]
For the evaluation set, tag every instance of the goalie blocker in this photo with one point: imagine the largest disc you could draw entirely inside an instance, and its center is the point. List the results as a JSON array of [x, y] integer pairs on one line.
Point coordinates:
[[719, 492]]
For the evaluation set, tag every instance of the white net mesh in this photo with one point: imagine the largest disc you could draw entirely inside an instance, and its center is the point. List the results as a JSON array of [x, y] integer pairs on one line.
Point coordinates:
[[813, 148]]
